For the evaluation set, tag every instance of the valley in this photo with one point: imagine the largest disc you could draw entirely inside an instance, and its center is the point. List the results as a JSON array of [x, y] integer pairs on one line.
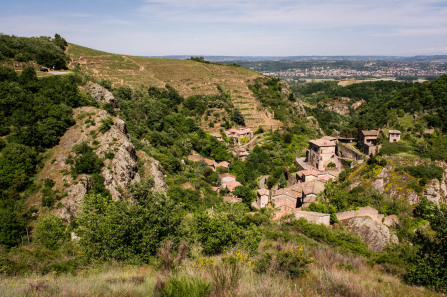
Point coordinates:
[[137, 176]]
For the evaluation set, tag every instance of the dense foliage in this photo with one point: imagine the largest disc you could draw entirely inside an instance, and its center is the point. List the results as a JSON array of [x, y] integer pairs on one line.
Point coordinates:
[[43, 50]]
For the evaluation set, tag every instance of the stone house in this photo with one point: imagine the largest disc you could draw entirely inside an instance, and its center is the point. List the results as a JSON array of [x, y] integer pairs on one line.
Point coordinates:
[[394, 135], [226, 177], [238, 134], [312, 174], [285, 200], [368, 142], [308, 191], [321, 152], [210, 163], [262, 199]]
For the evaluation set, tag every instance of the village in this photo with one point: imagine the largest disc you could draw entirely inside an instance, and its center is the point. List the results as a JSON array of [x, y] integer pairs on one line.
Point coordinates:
[[325, 159]]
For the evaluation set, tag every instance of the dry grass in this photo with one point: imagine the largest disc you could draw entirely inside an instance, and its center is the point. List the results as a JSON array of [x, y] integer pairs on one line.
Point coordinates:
[[187, 77], [333, 274]]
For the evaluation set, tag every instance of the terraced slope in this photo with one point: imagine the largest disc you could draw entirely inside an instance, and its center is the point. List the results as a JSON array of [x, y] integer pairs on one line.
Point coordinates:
[[187, 77]]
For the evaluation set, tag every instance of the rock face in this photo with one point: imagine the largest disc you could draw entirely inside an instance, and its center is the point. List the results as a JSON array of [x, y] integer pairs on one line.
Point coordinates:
[[433, 191], [113, 145], [120, 171], [153, 168], [340, 108], [101, 94], [374, 234]]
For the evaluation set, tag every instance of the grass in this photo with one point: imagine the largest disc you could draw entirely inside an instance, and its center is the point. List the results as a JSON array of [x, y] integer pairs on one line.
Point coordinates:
[[187, 77]]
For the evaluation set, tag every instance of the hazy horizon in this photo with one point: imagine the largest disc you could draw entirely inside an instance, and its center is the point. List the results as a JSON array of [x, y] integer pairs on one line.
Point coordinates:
[[280, 28]]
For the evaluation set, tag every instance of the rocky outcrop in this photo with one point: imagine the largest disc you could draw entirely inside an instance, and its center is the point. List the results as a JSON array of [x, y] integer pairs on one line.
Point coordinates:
[[101, 94], [433, 191], [374, 234], [153, 168], [340, 108], [121, 170], [113, 145]]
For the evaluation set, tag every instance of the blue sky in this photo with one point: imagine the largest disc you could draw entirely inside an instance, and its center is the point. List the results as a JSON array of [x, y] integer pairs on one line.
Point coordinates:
[[238, 28]]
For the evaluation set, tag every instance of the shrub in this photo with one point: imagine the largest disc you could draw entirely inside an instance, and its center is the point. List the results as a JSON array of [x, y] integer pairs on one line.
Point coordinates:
[[106, 124], [293, 262], [186, 286], [425, 171], [50, 232]]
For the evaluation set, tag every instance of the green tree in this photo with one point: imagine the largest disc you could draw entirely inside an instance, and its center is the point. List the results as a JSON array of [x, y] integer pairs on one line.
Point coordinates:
[[50, 232]]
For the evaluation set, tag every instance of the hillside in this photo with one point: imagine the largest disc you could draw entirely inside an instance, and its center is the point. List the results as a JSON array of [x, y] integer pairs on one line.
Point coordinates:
[[186, 76], [111, 184]]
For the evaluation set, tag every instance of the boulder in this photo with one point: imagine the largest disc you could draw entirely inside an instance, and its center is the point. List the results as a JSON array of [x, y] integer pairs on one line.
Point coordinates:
[[374, 234], [101, 94]]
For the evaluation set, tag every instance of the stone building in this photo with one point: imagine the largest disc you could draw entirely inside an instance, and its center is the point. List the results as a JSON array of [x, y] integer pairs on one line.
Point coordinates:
[[238, 134], [394, 136], [321, 152], [262, 199], [368, 142]]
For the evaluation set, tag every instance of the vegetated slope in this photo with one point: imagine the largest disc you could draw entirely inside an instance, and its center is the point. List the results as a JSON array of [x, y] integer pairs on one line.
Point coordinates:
[[186, 76], [45, 51]]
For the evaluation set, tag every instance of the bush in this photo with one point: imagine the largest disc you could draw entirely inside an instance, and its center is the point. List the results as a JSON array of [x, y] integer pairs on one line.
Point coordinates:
[[106, 124], [50, 232], [346, 241], [187, 286], [425, 171], [293, 262]]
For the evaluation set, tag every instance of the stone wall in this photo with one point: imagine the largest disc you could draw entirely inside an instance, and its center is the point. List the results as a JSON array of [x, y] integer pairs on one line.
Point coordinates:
[[345, 152], [314, 217], [362, 212]]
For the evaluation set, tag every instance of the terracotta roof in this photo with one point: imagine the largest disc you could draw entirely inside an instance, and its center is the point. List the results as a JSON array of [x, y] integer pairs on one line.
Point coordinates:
[[232, 184], [287, 192], [370, 132], [223, 164], [223, 175], [395, 132], [209, 162], [263, 192], [322, 142], [310, 171]]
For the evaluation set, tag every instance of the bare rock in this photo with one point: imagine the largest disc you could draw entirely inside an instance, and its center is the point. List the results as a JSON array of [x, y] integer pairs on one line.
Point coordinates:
[[153, 168], [413, 197], [114, 146], [433, 191], [374, 234], [101, 94], [340, 108], [357, 104], [379, 185], [391, 220]]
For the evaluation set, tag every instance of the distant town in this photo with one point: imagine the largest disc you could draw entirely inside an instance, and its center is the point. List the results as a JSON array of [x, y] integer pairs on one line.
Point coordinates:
[[361, 70]]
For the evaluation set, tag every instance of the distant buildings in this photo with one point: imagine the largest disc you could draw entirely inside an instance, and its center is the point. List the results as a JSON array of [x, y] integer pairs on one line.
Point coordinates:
[[394, 135], [238, 134]]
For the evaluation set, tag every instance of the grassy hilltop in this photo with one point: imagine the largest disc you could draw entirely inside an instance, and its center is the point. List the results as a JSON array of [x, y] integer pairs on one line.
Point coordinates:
[[186, 76]]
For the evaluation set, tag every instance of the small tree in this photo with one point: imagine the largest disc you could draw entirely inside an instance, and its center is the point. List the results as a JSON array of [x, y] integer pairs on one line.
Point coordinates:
[[238, 117], [50, 232]]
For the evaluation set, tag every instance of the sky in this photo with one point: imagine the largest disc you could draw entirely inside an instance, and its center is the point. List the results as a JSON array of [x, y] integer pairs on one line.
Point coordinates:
[[236, 28]]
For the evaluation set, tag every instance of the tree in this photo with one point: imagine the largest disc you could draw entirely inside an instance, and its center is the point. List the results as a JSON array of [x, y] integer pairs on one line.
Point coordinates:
[[50, 232], [238, 117]]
